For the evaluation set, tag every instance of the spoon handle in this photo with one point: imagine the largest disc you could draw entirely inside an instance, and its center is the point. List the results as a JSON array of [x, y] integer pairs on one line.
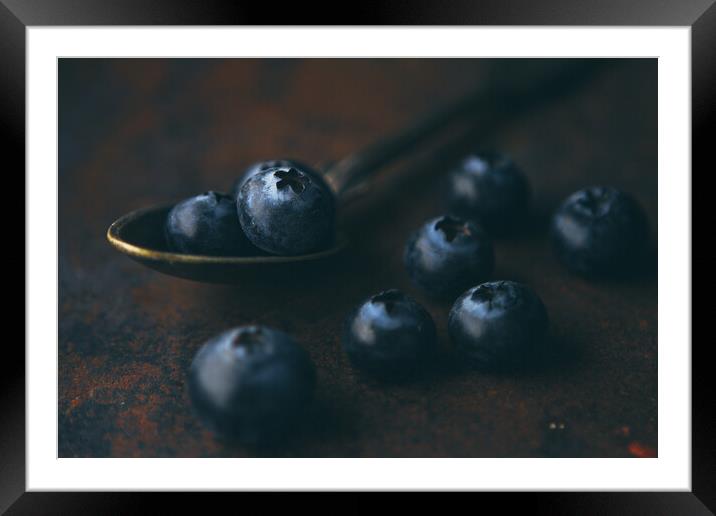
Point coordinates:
[[501, 95]]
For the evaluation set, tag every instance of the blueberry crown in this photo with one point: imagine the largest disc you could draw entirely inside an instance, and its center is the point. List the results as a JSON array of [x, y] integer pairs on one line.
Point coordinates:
[[389, 298], [248, 339], [484, 160], [293, 179], [496, 295], [595, 201], [452, 227]]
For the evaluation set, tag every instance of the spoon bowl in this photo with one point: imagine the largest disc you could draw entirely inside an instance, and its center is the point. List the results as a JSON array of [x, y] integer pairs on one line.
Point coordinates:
[[140, 236]]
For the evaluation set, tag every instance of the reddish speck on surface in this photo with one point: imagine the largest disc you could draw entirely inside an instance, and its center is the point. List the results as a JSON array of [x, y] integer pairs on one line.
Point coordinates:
[[642, 451]]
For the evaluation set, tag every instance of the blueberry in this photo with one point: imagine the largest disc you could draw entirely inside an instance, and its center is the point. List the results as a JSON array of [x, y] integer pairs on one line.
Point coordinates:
[[498, 325], [600, 231], [447, 255], [207, 224], [276, 163], [390, 334], [284, 211], [490, 188], [251, 384]]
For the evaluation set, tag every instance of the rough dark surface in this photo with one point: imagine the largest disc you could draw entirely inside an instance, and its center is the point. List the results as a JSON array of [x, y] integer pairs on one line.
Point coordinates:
[[145, 132]]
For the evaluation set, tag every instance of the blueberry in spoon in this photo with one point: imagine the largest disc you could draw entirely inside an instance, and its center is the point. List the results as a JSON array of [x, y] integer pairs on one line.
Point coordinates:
[[285, 211], [207, 225]]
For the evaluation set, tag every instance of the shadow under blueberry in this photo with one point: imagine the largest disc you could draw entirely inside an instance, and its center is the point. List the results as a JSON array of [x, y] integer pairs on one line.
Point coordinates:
[[325, 420], [561, 353], [438, 367], [279, 284], [644, 270], [558, 354]]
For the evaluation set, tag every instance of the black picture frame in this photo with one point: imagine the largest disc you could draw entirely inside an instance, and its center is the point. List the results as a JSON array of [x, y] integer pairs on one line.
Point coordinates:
[[17, 15]]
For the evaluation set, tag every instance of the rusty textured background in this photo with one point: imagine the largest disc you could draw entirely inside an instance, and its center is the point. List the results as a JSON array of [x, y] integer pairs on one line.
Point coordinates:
[[135, 133]]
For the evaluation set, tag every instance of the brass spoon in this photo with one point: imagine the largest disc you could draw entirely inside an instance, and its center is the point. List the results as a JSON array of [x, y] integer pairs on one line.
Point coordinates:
[[140, 235]]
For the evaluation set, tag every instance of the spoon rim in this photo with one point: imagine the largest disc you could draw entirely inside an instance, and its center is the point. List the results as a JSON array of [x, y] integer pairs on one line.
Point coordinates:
[[115, 239]]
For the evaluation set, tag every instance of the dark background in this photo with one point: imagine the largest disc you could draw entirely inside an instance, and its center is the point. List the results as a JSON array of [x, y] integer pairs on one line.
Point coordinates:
[[135, 133]]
